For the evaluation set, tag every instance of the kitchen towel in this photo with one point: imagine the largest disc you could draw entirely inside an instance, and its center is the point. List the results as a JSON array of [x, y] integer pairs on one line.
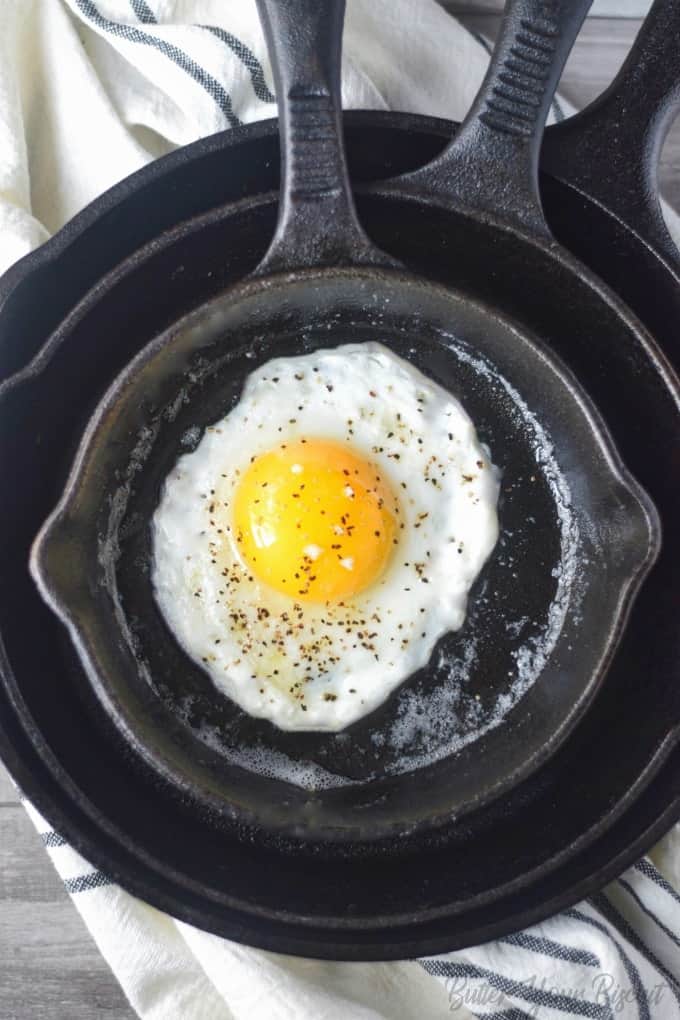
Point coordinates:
[[91, 90]]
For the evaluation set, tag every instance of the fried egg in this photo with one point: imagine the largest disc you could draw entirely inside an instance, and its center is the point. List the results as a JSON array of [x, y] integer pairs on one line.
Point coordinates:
[[316, 543]]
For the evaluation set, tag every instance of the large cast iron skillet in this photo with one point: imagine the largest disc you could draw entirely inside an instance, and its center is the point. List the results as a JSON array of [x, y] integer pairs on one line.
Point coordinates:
[[611, 149], [607, 156], [296, 299], [586, 814]]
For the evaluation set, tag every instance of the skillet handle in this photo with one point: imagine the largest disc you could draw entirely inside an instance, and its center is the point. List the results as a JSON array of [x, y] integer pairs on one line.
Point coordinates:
[[317, 223], [611, 149], [491, 166]]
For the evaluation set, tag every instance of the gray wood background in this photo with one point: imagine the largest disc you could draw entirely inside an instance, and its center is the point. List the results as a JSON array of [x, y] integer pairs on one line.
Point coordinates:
[[50, 969]]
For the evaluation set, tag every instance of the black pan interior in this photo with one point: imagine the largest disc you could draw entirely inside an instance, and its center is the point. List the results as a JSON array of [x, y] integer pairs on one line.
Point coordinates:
[[197, 739], [123, 821]]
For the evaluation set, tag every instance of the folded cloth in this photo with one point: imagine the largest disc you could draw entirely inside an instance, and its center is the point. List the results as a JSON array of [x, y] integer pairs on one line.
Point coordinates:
[[91, 90], [614, 955]]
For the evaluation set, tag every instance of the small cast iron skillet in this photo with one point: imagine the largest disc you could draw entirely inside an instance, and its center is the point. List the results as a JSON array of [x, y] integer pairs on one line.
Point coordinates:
[[321, 283]]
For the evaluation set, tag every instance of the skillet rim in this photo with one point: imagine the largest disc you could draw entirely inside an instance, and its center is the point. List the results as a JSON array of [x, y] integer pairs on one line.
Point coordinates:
[[351, 950], [55, 529]]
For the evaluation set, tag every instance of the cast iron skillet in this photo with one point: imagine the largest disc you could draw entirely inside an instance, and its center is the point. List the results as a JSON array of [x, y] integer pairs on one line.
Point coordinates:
[[611, 149], [558, 829], [594, 807], [607, 156], [591, 518]]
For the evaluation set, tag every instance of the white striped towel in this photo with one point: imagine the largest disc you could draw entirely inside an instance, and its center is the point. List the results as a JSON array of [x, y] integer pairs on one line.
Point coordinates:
[[91, 90]]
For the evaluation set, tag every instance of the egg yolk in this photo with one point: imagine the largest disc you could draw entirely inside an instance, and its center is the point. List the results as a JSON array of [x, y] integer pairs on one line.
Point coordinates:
[[314, 520]]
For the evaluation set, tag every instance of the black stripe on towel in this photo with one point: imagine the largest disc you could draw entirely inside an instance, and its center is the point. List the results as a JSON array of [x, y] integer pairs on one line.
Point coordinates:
[[517, 989], [628, 965], [173, 53], [615, 917], [52, 839], [509, 1014], [84, 883], [143, 12], [650, 913], [548, 947], [246, 57], [655, 876], [239, 49]]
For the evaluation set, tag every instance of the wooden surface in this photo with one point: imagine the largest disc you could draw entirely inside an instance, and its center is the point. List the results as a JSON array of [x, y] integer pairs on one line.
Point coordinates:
[[50, 969]]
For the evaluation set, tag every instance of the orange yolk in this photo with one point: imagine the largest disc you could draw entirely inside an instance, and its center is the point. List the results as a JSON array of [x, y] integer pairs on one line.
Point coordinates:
[[314, 520]]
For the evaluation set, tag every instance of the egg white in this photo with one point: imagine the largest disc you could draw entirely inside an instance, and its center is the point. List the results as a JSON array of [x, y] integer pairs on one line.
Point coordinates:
[[306, 666]]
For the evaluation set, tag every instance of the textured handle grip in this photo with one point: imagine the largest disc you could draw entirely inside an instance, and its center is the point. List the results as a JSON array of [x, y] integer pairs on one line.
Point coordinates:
[[611, 149], [491, 166], [317, 224]]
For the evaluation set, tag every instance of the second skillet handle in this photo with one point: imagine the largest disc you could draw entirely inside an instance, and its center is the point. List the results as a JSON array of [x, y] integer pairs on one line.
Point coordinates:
[[317, 224], [491, 166], [611, 149]]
